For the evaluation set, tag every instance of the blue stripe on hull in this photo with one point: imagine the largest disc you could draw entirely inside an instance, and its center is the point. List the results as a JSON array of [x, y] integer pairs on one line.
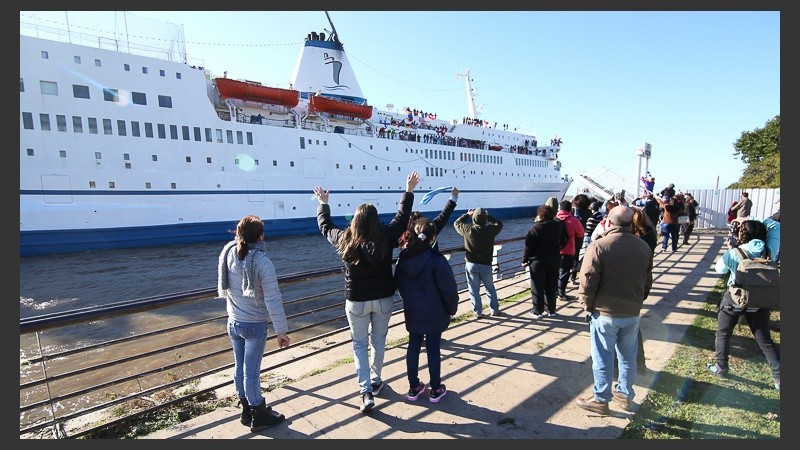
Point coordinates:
[[38, 243]]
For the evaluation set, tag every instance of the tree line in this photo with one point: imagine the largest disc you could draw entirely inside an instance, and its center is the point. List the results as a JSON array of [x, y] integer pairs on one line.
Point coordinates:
[[760, 149]]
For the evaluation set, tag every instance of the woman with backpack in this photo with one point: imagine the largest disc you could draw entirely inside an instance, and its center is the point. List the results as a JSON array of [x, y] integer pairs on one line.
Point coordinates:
[[751, 239]]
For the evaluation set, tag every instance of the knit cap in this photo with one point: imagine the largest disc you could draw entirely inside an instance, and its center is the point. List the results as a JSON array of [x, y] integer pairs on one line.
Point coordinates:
[[479, 216]]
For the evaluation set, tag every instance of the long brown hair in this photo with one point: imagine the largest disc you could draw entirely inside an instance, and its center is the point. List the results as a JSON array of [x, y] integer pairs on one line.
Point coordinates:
[[641, 223], [248, 230], [365, 227]]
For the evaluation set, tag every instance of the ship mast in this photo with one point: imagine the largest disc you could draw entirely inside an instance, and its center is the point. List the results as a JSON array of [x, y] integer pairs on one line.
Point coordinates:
[[334, 35], [473, 113]]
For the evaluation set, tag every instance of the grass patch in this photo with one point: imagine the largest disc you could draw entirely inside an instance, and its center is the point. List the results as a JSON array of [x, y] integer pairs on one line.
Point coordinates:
[[686, 401]]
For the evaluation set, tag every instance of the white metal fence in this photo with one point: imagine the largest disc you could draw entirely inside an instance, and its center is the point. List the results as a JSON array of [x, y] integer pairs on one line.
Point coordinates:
[[715, 203]]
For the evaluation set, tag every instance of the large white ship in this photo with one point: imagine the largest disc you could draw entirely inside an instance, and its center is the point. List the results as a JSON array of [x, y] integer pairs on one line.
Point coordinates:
[[120, 148]]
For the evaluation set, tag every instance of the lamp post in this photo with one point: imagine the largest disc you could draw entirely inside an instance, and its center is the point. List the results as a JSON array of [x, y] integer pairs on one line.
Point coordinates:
[[643, 152]]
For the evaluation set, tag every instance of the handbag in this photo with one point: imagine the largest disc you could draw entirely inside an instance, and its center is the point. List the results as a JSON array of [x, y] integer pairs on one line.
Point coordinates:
[[683, 220]]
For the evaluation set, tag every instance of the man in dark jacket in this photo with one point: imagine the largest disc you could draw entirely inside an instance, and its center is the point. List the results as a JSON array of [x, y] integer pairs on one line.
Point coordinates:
[[652, 210], [615, 278], [479, 229], [690, 206]]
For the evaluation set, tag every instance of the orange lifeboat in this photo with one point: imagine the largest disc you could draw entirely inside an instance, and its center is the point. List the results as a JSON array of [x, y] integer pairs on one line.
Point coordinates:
[[319, 103], [255, 92]]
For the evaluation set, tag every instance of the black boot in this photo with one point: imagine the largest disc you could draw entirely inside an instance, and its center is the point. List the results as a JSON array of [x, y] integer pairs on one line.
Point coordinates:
[[247, 418], [264, 416]]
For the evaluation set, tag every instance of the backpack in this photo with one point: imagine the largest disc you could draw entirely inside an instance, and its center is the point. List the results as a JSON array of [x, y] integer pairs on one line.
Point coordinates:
[[757, 283]]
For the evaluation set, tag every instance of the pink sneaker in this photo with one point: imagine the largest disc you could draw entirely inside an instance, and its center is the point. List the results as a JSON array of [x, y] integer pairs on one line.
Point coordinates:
[[413, 394], [438, 394]]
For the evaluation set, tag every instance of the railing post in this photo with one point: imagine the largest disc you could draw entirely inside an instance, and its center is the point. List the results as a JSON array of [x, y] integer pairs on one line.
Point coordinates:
[[496, 274]]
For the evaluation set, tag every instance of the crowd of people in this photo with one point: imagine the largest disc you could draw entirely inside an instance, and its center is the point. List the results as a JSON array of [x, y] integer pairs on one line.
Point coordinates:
[[605, 249]]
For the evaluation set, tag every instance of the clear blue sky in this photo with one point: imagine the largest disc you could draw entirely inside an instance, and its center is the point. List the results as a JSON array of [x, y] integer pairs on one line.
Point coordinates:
[[688, 83]]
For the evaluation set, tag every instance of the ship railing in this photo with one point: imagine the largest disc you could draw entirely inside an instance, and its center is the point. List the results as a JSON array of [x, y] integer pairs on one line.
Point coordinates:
[[285, 122], [224, 115], [156, 353], [173, 50]]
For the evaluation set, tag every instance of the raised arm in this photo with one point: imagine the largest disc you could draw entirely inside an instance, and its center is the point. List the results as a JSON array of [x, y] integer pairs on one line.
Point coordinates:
[[412, 180], [322, 195]]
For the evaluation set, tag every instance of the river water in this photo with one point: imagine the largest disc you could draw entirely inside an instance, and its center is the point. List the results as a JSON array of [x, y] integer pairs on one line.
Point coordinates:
[[59, 283]]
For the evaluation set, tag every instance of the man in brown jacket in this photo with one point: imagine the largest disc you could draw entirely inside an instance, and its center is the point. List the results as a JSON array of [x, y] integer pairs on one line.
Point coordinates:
[[743, 207], [615, 278], [669, 227]]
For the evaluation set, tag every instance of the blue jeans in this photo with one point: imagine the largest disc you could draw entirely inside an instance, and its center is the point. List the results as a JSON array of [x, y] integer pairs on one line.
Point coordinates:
[[477, 274], [672, 232], [433, 343], [369, 325], [249, 339], [610, 335]]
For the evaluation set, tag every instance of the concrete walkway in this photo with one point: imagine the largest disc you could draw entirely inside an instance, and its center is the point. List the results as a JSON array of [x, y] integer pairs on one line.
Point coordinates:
[[508, 377]]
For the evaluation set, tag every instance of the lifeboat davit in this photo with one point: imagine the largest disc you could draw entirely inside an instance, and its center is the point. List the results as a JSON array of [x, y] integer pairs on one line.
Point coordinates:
[[319, 103], [255, 92], [495, 147]]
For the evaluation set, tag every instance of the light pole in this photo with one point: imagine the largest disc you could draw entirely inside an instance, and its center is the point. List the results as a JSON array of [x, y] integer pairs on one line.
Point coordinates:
[[643, 152]]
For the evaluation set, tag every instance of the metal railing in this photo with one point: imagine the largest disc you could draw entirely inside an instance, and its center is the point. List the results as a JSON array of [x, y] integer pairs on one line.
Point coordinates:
[[86, 370]]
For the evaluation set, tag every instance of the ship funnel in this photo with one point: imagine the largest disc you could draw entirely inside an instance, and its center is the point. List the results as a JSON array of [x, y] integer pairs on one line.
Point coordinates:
[[322, 67]]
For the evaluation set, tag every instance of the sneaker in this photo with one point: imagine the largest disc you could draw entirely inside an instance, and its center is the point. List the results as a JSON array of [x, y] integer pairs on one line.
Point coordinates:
[[478, 316], [565, 298], [576, 282], [778, 385], [368, 402], [592, 405], [376, 388], [534, 314], [494, 312], [438, 394], [716, 369], [413, 394], [552, 314], [622, 400]]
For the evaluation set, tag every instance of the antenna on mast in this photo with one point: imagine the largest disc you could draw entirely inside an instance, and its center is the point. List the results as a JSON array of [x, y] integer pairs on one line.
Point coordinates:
[[334, 35], [473, 112]]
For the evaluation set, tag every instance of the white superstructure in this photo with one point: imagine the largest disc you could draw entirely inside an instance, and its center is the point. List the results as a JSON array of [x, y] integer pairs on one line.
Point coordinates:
[[123, 150]]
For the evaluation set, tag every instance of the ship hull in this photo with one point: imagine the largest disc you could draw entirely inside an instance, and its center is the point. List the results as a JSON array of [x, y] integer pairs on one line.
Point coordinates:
[[42, 242]]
